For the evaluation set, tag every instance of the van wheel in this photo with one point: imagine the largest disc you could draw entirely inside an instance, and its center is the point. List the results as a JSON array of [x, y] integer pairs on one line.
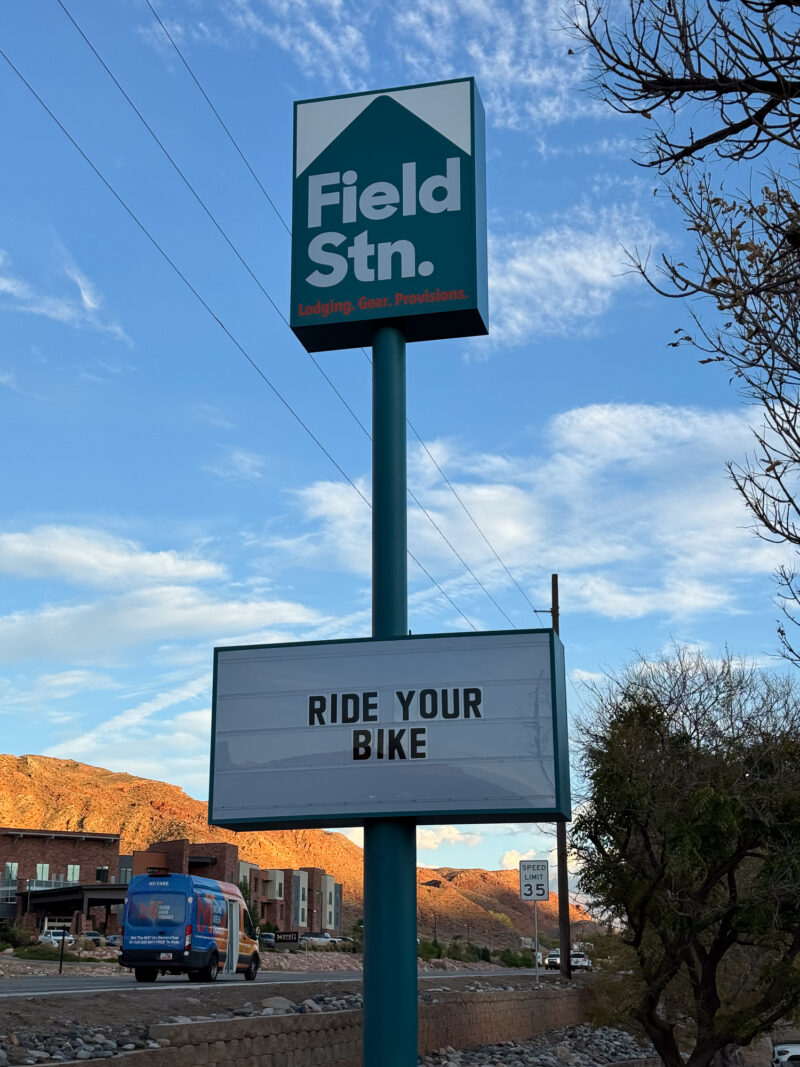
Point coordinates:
[[252, 969], [210, 971], [145, 974]]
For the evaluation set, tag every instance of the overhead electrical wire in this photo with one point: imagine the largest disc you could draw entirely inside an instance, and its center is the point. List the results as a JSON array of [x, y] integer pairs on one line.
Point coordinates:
[[252, 273], [286, 226], [129, 211]]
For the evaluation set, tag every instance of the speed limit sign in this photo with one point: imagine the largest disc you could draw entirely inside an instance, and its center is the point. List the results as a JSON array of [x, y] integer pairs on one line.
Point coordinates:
[[534, 880]]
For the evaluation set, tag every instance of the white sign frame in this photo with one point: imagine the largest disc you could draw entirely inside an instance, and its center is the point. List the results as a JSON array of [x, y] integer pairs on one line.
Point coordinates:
[[325, 734], [534, 880]]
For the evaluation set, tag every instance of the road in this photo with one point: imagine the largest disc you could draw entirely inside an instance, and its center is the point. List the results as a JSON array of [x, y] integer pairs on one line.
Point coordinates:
[[55, 985]]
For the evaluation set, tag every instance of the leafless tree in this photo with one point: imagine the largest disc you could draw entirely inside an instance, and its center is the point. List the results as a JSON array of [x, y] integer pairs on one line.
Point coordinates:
[[721, 81], [734, 65]]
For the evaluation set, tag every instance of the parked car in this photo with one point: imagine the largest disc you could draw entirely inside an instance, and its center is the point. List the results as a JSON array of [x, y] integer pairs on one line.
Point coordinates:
[[579, 961], [93, 936], [785, 1052], [323, 938], [113, 940], [553, 961], [55, 937], [266, 938]]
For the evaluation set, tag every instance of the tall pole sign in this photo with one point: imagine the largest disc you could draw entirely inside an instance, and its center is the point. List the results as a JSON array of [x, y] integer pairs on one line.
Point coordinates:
[[389, 246], [389, 216]]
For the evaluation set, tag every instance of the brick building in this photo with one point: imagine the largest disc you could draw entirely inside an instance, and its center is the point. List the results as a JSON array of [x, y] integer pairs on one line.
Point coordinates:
[[78, 881], [39, 868], [220, 861], [300, 901]]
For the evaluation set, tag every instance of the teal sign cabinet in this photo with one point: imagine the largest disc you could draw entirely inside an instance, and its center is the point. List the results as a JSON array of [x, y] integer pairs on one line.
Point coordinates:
[[389, 216]]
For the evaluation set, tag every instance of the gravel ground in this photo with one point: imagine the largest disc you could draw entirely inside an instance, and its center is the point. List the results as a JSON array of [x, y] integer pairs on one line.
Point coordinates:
[[575, 1046], [52, 1029]]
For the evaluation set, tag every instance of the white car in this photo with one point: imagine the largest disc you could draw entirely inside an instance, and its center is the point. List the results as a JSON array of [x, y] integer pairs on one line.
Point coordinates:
[[579, 961], [55, 937], [785, 1052]]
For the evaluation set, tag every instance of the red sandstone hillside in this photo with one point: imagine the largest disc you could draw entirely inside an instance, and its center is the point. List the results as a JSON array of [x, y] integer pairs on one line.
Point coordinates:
[[39, 792]]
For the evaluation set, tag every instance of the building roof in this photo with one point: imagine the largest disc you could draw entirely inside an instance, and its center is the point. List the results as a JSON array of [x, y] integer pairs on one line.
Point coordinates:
[[70, 835]]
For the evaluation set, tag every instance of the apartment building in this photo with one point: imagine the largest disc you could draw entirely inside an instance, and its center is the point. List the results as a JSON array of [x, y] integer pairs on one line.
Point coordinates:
[[79, 880], [304, 900]]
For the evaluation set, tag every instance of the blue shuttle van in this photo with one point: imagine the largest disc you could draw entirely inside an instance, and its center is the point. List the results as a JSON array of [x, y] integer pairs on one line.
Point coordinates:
[[179, 924]]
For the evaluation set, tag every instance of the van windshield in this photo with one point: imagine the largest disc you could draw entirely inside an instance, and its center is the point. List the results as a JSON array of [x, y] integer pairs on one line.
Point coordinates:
[[156, 909]]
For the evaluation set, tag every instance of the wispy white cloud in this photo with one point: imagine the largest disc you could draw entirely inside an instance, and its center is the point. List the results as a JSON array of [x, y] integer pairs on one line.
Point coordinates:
[[213, 416], [629, 502], [87, 556], [517, 50], [104, 629], [238, 465], [429, 838], [141, 740], [84, 312], [510, 860], [559, 279], [324, 39]]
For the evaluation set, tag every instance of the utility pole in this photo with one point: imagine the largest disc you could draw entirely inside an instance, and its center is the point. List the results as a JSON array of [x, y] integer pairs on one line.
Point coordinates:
[[565, 968]]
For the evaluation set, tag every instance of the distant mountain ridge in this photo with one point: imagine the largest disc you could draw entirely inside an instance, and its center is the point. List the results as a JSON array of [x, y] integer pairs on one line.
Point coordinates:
[[40, 792]]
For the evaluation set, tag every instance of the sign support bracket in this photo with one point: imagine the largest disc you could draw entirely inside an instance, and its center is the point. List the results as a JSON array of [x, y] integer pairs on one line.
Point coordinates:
[[390, 883]]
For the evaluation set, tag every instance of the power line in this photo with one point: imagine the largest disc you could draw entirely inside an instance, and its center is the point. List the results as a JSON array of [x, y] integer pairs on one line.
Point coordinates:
[[250, 271], [218, 117], [285, 225], [472, 520], [216, 318]]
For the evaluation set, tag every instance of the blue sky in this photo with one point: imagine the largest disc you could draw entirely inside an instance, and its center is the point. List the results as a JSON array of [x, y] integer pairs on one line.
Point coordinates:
[[159, 499]]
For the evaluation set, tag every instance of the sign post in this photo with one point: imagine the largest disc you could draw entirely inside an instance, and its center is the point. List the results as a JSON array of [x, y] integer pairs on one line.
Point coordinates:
[[390, 849], [534, 884], [389, 246]]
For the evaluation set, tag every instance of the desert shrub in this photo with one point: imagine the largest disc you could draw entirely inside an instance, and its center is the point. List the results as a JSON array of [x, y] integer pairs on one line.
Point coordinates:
[[16, 935], [429, 950], [43, 952]]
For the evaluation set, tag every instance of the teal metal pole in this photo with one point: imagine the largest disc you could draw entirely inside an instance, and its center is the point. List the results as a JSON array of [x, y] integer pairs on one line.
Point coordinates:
[[390, 856], [389, 489]]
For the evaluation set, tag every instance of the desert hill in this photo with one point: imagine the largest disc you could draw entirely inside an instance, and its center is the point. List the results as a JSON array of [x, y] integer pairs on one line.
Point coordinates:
[[40, 792]]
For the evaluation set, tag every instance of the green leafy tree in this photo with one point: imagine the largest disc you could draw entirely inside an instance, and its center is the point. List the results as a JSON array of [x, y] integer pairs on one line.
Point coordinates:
[[687, 842]]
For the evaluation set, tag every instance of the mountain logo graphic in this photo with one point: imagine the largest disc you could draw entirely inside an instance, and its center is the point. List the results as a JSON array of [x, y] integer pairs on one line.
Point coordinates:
[[388, 216]]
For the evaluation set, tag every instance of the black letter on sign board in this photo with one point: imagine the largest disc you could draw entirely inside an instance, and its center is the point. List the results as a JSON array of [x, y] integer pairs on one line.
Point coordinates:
[[349, 707], [405, 701], [361, 740], [472, 699], [370, 704], [419, 740], [316, 709]]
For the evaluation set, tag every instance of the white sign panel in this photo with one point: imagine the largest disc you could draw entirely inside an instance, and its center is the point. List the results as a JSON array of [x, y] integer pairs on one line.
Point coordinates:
[[534, 880], [332, 733]]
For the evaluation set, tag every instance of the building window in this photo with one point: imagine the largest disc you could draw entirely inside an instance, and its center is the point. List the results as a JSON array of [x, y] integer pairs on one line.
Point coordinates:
[[280, 889], [303, 916], [10, 870], [303, 893], [73, 872], [42, 872], [330, 898], [125, 875], [102, 874]]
